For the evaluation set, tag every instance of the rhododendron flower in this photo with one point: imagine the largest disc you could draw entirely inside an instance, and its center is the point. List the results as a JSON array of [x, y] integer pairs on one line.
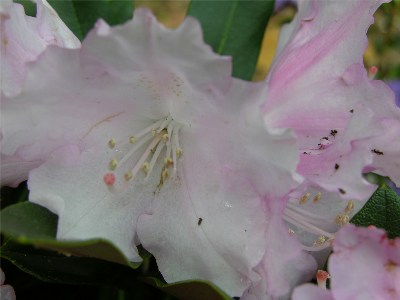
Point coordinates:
[[346, 123], [147, 139], [365, 264], [23, 38], [299, 236]]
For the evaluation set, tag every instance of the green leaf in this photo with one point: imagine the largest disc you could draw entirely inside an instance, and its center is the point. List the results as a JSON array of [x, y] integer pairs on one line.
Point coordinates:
[[29, 7], [189, 290], [31, 224], [81, 15], [58, 268], [381, 210], [235, 28]]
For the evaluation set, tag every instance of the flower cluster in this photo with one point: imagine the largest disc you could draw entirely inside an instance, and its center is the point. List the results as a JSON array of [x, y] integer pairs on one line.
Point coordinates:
[[141, 136]]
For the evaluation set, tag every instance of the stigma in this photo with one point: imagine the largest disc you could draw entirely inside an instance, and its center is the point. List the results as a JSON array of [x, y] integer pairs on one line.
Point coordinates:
[[140, 155]]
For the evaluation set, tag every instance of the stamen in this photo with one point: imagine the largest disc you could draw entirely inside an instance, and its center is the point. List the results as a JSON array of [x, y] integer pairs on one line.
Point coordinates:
[[128, 175], [300, 222], [111, 143], [113, 164], [132, 140], [317, 197], [305, 198], [320, 241], [349, 207], [146, 167], [342, 219], [178, 152]]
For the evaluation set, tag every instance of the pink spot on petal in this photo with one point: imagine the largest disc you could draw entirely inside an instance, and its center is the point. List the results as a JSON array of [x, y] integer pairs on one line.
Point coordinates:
[[109, 179]]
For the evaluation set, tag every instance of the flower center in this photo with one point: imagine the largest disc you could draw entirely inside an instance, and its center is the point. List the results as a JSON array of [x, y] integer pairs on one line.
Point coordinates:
[[139, 153], [307, 223]]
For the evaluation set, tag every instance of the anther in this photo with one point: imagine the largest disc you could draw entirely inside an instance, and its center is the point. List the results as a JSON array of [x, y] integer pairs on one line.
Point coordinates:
[[168, 162], [109, 179], [178, 152], [342, 219], [128, 175], [111, 143], [165, 175], [304, 199], [291, 231], [319, 241], [113, 164], [132, 140], [317, 198], [165, 138], [349, 207], [146, 167]]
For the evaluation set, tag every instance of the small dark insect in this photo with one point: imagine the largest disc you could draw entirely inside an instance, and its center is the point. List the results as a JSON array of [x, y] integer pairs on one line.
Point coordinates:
[[199, 221], [352, 110], [325, 138], [333, 132], [337, 166], [342, 191], [376, 151]]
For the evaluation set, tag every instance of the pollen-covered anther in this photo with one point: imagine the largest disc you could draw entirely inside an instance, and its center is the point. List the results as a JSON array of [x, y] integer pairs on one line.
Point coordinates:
[[113, 164], [165, 174], [320, 241], [111, 143], [132, 140], [109, 179], [165, 137], [179, 152], [342, 219], [322, 277], [317, 197], [168, 162], [128, 175], [146, 167], [349, 207], [305, 198]]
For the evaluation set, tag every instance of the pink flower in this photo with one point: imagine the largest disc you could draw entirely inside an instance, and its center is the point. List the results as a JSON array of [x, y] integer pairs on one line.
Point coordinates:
[[147, 139], [346, 123], [23, 38], [365, 265]]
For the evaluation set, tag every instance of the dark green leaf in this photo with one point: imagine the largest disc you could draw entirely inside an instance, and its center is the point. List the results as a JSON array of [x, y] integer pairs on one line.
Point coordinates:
[[29, 7], [54, 267], [31, 224], [189, 290], [381, 210], [81, 15], [236, 28]]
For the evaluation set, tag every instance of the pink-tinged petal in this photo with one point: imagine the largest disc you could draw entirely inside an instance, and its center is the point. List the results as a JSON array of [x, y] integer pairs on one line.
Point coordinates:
[[143, 44], [71, 185], [319, 88], [6, 291], [285, 264], [15, 170], [161, 149], [23, 38], [365, 265], [311, 292], [214, 207], [52, 29]]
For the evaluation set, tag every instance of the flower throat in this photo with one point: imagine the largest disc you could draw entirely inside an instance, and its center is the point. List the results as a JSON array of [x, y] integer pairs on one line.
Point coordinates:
[[161, 136]]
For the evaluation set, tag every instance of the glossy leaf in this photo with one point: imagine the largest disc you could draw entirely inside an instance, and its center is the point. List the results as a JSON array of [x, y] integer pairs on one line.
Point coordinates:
[[31, 224], [189, 290], [234, 28], [381, 210], [80, 16]]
